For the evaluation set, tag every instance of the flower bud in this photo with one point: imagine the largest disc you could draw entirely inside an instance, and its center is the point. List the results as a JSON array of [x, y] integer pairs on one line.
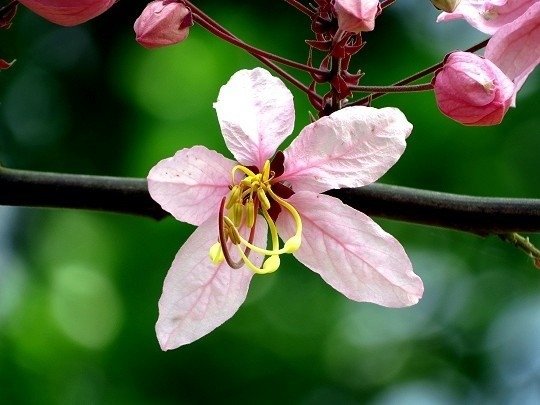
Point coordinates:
[[356, 15], [68, 12], [472, 90], [446, 5], [163, 23], [4, 64]]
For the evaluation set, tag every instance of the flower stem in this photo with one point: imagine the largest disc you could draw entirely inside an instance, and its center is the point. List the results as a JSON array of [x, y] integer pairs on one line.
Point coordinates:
[[393, 89], [228, 36], [386, 3], [414, 77], [253, 50]]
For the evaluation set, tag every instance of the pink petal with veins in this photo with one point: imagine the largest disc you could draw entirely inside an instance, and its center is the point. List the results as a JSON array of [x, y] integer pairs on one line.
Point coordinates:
[[191, 184], [515, 48], [198, 296], [488, 16], [350, 148], [351, 252], [256, 113]]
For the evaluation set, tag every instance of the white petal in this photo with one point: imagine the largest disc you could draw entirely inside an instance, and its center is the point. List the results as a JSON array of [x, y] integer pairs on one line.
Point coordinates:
[[198, 296], [256, 113], [191, 184], [350, 148], [351, 252]]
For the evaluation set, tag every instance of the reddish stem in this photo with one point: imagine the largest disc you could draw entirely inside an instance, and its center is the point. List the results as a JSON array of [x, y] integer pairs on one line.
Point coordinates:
[[413, 78], [226, 35]]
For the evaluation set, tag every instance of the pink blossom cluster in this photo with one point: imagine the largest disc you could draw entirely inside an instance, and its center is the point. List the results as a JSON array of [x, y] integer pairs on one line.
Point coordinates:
[[476, 90]]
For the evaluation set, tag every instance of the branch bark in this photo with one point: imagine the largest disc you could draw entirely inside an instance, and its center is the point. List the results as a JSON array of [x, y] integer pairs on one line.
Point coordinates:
[[478, 215]]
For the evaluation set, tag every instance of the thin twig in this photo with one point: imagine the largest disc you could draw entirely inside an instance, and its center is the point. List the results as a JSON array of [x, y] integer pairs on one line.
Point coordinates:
[[523, 243], [414, 77]]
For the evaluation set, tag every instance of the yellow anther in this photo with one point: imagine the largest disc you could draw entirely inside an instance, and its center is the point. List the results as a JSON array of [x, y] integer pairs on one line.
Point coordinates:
[[271, 264], [292, 244], [266, 171], [216, 253], [237, 214], [234, 196], [232, 232], [265, 202], [250, 213]]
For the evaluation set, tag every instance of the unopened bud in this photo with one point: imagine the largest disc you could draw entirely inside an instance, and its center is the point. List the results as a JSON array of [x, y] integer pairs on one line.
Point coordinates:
[[68, 12], [163, 23], [356, 15], [446, 5], [472, 90]]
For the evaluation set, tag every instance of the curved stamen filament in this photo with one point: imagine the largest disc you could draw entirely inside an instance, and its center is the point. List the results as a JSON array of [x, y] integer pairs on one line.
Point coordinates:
[[244, 170], [223, 238], [293, 243]]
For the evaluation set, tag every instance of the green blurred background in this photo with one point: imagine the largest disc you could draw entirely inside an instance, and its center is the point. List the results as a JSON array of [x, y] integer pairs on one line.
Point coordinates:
[[79, 290]]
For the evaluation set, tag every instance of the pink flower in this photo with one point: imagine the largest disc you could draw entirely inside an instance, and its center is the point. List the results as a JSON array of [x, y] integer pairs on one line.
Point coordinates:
[[356, 15], [234, 204], [472, 90], [515, 48], [163, 23], [68, 12], [488, 16]]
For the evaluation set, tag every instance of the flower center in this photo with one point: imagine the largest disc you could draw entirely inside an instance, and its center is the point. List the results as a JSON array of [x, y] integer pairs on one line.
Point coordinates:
[[249, 197]]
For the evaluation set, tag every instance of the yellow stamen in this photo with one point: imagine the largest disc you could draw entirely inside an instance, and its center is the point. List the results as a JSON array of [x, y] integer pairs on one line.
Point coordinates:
[[265, 202], [233, 196], [293, 243], [250, 213], [216, 253], [248, 197], [237, 214]]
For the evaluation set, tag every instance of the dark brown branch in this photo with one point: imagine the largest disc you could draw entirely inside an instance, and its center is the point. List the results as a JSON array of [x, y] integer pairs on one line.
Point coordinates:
[[478, 215]]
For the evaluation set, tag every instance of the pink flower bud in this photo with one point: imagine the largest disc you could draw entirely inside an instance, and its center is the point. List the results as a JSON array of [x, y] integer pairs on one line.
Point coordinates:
[[472, 90], [68, 12], [356, 15], [4, 64], [162, 23]]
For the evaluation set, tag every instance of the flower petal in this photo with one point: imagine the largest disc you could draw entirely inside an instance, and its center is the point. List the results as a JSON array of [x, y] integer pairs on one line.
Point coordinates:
[[514, 48], [191, 184], [198, 296], [350, 148], [256, 113], [488, 16], [351, 252]]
